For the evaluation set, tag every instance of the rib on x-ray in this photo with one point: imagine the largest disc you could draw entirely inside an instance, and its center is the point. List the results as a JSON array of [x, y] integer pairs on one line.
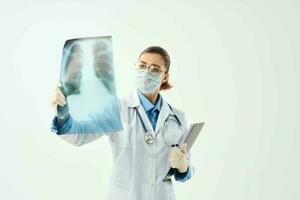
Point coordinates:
[[88, 83]]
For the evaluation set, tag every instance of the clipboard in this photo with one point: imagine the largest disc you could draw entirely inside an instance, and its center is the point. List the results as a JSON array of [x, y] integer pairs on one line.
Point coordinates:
[[193, 133]]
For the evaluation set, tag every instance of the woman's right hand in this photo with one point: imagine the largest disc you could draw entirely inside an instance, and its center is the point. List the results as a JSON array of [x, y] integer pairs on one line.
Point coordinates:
[[58, 98]]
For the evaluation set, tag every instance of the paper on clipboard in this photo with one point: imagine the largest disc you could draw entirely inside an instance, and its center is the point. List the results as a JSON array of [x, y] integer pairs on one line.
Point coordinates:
[[192, 135]]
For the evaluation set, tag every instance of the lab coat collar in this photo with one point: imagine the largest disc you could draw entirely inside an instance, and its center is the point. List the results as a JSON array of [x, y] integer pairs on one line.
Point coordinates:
[[147, 104], [134, 101]]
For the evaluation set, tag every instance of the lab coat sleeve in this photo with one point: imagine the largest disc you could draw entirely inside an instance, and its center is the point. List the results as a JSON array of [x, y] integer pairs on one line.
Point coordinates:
[[83, 132], [74, 132]]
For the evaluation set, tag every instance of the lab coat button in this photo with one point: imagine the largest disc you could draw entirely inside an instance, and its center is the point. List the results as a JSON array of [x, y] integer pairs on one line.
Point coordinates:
[[152, 156]]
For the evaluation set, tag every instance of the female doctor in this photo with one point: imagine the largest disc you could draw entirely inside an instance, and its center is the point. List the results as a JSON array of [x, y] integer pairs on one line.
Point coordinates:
[[144, 150]]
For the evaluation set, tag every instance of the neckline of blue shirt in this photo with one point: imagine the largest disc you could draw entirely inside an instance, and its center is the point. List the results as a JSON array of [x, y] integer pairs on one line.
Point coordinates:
[[147, 104]]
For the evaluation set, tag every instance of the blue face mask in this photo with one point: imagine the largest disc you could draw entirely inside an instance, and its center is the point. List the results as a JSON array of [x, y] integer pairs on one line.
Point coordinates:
[[147, 82]]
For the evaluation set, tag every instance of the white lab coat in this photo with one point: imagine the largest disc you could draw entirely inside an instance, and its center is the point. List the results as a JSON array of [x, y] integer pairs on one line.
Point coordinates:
[[138, 167]]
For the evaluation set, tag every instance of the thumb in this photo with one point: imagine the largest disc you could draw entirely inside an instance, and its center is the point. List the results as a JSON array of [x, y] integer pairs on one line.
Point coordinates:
[[183, 148], [58, 84]]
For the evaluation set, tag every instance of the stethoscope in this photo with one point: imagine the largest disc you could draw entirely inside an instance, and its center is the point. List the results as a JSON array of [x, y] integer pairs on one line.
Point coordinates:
[[149, 136]]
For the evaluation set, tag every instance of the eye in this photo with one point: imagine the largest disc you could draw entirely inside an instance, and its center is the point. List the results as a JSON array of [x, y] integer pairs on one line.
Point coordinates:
[[142, 66], [155, 70]]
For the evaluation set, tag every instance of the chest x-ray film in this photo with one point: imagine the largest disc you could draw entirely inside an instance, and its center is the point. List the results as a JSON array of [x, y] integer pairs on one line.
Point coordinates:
[[88, 83]]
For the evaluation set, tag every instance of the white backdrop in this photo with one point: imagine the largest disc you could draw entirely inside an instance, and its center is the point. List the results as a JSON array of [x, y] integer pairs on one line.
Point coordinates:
[[234, 65]]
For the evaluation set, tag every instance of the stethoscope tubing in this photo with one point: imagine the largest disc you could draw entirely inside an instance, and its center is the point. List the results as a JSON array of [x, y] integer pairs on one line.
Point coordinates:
[[146, 130]]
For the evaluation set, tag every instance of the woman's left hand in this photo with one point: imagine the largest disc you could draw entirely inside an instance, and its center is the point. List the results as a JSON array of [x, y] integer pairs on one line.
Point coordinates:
[[178, 158]]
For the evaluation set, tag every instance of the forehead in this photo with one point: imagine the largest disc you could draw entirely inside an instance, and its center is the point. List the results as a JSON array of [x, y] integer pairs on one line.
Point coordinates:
[[152, 58]]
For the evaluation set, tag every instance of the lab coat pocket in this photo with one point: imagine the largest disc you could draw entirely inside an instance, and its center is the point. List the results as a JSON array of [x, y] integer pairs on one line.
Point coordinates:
[[118, 193], [169, 193], [123, 160], [122, 170]]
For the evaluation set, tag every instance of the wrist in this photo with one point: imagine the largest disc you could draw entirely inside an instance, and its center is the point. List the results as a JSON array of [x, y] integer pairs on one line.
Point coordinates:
[[184, 167], [183, 170]]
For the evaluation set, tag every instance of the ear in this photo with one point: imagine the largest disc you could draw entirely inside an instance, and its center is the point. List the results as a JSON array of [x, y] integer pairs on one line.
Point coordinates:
[[166, 78]]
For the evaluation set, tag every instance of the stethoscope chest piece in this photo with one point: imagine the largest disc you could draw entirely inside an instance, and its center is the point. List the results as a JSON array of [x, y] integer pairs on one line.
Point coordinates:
[[149, 138]]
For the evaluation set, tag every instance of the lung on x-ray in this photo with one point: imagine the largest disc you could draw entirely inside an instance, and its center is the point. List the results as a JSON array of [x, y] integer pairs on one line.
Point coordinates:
[[88, 82]]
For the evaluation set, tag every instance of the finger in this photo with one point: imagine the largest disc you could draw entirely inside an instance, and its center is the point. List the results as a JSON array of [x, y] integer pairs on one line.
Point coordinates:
[[177, 155], [172, 163], [173, 155], [58, 91], [54, 101], [184, 148], [58, 100], [59, 87], [178, 151], [58, 84], [61, 95], [54, 106], [180, 156]]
